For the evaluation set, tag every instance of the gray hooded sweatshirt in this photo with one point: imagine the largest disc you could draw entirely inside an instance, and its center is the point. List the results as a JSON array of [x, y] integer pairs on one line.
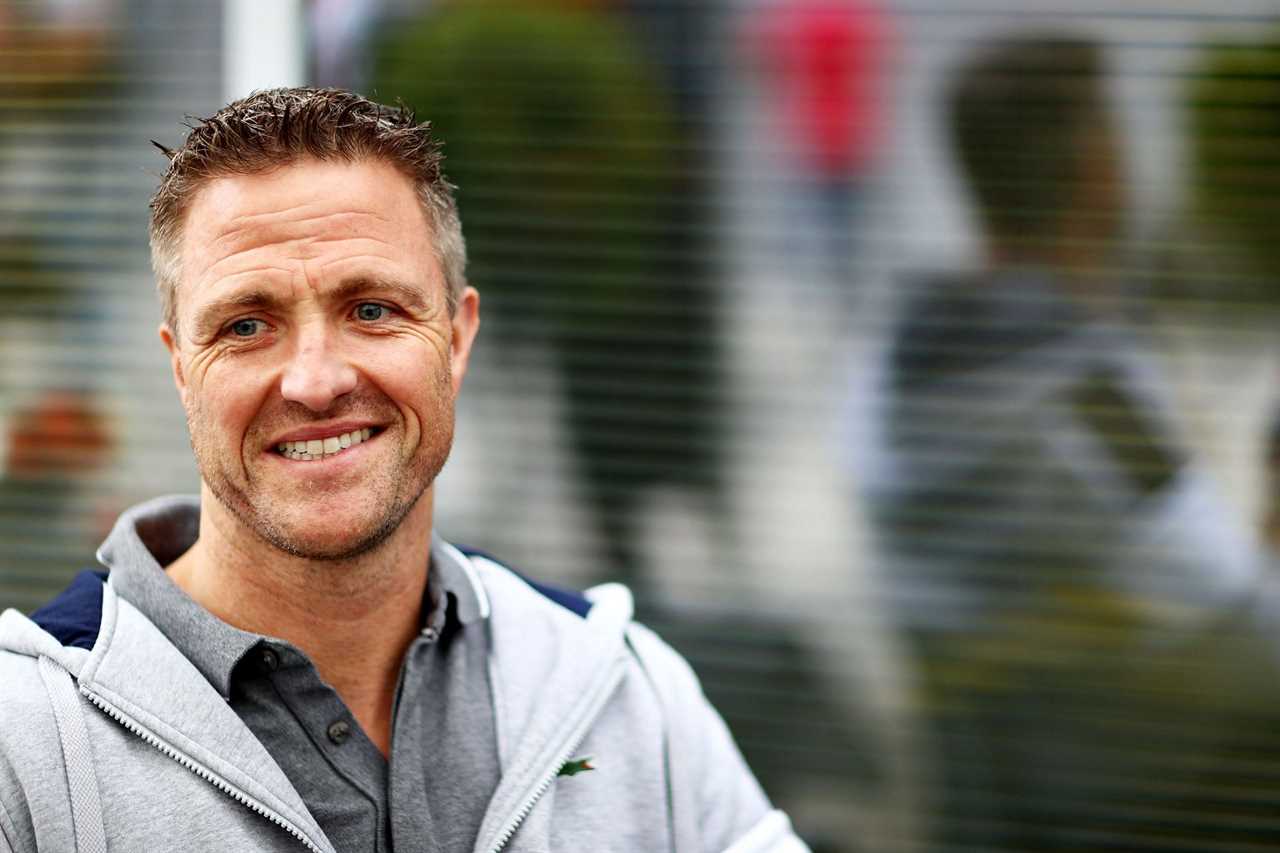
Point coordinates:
[[110, 739]]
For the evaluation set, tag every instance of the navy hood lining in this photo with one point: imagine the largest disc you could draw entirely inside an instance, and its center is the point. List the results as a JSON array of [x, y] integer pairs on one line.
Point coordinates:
[[74, 617]]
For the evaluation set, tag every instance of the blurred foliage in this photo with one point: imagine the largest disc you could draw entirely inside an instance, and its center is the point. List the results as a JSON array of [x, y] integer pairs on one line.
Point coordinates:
[[1079, 727], [559, 144], [565, 150], [1233, 101]]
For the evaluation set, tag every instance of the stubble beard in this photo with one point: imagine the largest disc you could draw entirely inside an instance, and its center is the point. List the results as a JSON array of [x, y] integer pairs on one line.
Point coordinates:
[[398, 490]]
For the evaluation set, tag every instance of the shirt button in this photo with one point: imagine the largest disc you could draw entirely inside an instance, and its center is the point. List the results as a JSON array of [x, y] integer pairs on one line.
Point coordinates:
[[270, 660], [430, 634], [339, 731]]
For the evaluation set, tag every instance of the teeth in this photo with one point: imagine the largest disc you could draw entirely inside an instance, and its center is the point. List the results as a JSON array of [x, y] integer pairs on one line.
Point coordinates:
[[317, 448]]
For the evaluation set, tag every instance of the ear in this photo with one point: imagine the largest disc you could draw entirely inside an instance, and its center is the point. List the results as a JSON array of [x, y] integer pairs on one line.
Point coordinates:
[[175, 360], [466, 322]]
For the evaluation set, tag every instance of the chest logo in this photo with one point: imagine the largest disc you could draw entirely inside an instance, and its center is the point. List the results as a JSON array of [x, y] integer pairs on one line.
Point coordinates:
[[579, 765]]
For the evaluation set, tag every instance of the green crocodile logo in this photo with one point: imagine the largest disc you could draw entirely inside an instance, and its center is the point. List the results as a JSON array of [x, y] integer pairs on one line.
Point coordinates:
[[573, 768]]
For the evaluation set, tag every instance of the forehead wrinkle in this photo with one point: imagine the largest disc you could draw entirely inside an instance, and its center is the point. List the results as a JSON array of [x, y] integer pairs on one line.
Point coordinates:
[[249, 231], [415, 290], [350, 238], [210, 280], [266, 277], [363, 258]]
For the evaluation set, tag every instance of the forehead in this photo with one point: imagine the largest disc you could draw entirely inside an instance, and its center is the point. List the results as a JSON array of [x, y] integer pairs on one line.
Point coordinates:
[[312, 214]]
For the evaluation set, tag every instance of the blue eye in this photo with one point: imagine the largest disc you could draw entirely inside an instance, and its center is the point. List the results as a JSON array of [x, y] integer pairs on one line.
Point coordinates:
[[246, 328], [370, 311]]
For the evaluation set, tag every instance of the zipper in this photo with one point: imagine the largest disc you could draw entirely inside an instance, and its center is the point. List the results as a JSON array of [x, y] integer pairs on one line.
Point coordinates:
[[577, 735], [202, 772]]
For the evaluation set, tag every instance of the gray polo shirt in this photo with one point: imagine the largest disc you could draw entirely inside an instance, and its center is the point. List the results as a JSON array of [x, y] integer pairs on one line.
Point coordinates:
[[432, 793]]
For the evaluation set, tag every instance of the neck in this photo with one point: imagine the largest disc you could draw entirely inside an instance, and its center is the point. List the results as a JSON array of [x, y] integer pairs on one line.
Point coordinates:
[[353, 618]]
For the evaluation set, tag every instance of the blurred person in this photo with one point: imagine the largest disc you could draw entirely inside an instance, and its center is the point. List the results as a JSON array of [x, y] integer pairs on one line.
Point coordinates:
[[294, 656], [1063, 569], [823, 65]]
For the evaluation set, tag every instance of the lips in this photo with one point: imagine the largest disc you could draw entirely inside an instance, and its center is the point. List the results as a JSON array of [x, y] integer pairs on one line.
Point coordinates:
[[311, 449]]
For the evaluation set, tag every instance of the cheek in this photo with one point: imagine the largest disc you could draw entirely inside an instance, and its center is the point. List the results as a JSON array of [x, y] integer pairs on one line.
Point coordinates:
[[412, 383], [415, 379], [226, 401], [401, 361]]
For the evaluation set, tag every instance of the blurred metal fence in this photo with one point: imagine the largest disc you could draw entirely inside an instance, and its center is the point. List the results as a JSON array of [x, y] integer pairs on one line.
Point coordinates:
[[914, 362]]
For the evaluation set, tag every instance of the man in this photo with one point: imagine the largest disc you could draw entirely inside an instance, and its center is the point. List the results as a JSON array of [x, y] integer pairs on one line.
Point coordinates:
[[295, 659], [1063, 567]]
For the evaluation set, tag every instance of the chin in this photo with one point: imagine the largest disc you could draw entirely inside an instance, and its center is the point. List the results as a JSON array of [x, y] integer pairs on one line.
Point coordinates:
[[322, 524], [323, 547], [339, 539], [332, 536]]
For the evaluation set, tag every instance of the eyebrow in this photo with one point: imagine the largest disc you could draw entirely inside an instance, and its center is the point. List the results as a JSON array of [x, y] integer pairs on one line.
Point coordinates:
[[407, 294], [210, 318]]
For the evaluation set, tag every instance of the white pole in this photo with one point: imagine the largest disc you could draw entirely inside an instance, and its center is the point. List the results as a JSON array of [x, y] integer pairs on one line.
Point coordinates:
[[263, 45]]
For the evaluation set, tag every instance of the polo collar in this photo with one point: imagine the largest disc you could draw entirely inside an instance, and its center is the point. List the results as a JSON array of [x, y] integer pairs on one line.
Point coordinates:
[[153, 534], [456, 575]]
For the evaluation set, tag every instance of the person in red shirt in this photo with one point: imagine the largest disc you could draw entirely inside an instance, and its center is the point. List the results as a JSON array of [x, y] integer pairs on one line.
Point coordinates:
[[822, 62]]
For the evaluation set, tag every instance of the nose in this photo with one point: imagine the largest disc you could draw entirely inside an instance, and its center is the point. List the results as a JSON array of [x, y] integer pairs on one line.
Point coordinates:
[[317, 374]]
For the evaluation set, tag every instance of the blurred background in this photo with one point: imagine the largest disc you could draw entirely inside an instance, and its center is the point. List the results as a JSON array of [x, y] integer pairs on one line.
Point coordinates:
[[913, 360]]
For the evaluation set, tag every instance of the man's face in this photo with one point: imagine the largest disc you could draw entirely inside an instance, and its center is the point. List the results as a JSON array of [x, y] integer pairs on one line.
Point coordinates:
[[314, 354]]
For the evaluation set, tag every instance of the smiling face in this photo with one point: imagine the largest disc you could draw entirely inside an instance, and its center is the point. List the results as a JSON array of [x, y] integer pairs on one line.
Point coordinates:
[[315, 354]]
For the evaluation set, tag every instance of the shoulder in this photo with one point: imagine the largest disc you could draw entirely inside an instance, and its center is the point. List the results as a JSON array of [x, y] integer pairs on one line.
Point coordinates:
[[554, 625], [601, 611], [28, 733], [61, 633], [673, 679], [493, 572], [952, 324], [35, 653], [20, 675], [716, 800], [24, 643]]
